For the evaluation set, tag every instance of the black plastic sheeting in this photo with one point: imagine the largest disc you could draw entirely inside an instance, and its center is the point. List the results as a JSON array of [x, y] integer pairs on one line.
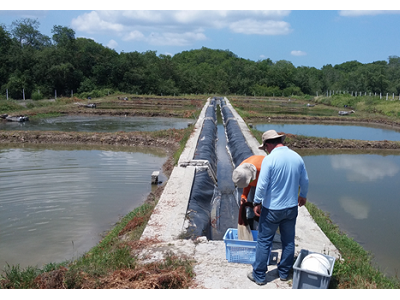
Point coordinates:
[[210, 112], [199, 208], [206, 145], [236, 141], [204, 189]]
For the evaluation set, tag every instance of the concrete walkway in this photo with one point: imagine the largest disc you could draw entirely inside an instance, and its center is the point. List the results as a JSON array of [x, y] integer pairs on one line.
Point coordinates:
[[212, 269]]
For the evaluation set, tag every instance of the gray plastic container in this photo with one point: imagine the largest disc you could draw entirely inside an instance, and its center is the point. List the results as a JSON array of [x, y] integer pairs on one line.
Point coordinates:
[[305, 279]]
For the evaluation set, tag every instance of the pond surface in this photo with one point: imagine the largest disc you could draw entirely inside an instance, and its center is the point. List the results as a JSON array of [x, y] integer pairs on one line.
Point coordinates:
[[98, 124], [366, 132], [361, 194], [55, 202]]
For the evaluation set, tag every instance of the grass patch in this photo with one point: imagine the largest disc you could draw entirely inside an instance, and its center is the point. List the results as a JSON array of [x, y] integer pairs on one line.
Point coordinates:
[[8, 106], [182, 144], [45, 115]]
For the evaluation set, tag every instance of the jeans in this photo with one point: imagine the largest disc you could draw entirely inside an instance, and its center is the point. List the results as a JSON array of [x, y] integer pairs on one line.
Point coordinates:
[[269, 222]]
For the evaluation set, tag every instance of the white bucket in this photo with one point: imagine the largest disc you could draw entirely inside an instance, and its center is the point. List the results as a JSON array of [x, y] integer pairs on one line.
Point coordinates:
[[316, 262]]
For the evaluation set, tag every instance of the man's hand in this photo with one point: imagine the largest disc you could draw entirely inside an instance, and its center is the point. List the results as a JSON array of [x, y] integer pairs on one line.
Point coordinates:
[[302, 201], [243, 200], [257, 209]]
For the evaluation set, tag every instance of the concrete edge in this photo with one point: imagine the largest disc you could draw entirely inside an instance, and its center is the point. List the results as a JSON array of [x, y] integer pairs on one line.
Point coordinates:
[[168, 218]]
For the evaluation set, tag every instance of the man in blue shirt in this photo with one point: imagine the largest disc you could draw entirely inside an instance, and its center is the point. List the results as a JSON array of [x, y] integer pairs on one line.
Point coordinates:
[[277, 194]]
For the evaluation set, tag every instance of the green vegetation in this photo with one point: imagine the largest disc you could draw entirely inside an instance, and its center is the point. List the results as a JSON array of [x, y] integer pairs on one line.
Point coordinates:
[[64, 64], [365, 104], [182, 144], [9, 106]]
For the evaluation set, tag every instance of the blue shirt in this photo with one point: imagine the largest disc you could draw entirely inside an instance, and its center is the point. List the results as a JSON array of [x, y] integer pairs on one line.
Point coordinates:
[[282, 173]]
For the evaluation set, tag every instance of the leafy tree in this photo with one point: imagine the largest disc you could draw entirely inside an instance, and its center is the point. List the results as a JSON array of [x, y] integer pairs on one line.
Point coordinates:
[[282, 74], [63, 36], [393, 74], [5, 47], [26, 32]]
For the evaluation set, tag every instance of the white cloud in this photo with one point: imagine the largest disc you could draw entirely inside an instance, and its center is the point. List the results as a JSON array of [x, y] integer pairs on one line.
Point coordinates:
[[166, 38], [94, 23], [270, 27], [133, 36], [361, 169], [357, 13], [112, 44], [176, 39], [298, 53], [179, 27]]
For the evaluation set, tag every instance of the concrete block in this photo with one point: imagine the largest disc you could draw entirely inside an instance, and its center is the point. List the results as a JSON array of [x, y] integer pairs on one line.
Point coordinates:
[[154, 177]]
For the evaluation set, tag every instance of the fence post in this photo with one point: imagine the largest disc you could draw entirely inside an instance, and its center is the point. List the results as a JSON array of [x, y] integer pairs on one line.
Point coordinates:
[[55, 94], [23, 94], [393, 96], [387, 94], [7, 93]]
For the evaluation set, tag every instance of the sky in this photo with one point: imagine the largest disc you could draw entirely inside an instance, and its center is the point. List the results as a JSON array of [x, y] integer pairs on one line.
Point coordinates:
[[304, 33]]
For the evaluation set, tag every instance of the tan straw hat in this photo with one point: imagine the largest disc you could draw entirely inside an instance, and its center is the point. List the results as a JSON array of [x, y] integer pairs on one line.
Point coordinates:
[[270, 135], [243, 174]]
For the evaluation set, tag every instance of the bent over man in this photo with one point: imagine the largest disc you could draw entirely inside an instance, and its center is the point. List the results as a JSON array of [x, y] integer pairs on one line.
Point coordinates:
[[246, 176]]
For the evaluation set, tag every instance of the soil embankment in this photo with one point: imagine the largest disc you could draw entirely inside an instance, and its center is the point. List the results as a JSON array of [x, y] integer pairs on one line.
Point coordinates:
[[169, 140]]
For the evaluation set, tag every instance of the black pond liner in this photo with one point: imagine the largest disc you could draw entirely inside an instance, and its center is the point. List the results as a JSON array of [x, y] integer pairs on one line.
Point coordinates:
[[204, 188], [206, 145], [236, 141], [210, 113], [199, 208]]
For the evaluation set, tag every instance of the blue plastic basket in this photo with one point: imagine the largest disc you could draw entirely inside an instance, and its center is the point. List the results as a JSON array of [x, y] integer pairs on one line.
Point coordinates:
[[238, 251]]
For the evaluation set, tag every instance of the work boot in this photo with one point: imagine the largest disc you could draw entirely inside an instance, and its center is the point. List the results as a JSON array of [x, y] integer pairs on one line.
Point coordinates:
[[250, 276]]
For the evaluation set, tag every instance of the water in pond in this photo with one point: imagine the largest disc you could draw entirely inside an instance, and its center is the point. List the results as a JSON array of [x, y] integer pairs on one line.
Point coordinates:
[[360, 192], [98, 124], [55, 202], [335, 131], [227, 216]]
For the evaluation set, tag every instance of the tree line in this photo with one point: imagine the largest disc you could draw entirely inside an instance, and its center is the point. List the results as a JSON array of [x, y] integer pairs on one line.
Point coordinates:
[[40, 65]]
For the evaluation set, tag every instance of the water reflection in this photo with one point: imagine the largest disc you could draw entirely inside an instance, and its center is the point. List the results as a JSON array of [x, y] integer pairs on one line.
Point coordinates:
[[99, 124], [359, 191], [357, 208], [55, 202], [368, 132], [364, 168]]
